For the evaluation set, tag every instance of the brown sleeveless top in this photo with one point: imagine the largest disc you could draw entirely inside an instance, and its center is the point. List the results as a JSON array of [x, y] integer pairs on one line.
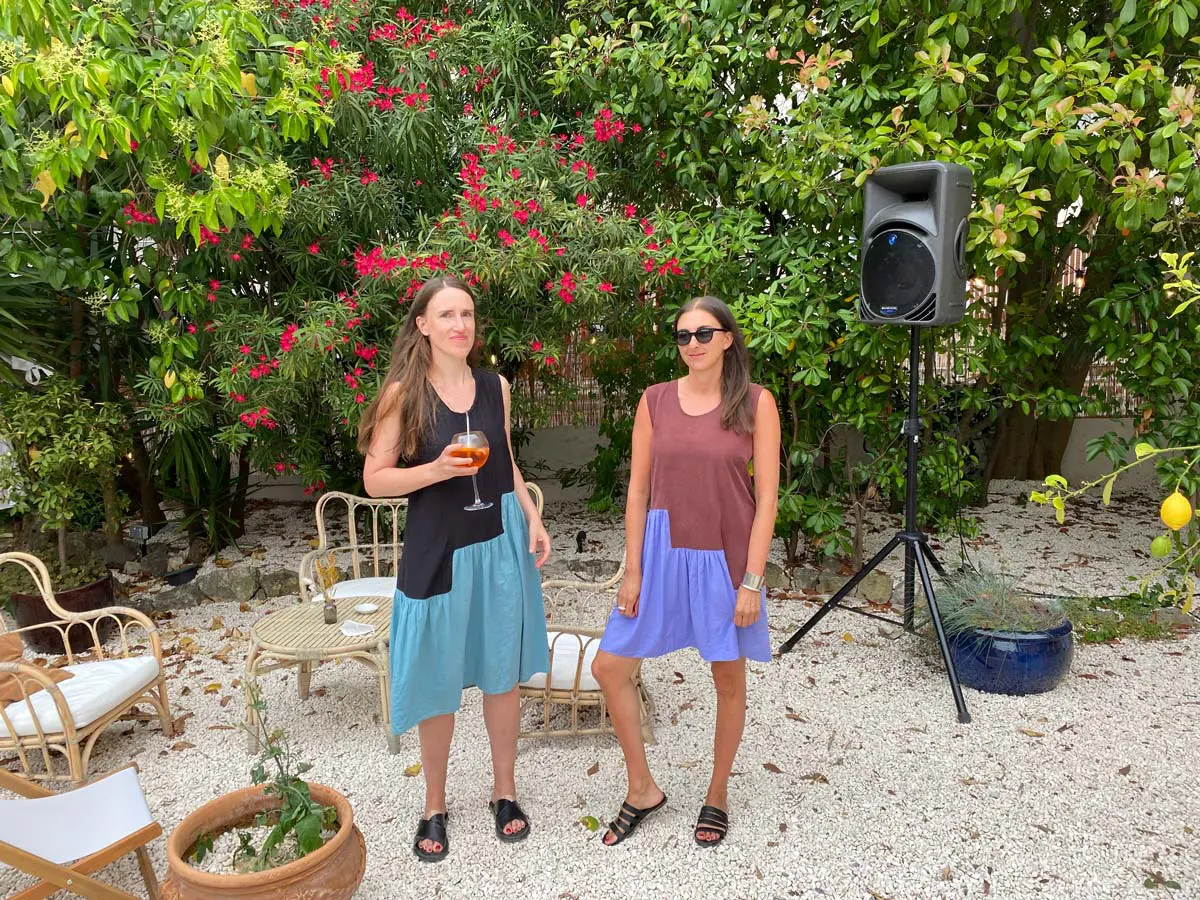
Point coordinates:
[[700, 474]]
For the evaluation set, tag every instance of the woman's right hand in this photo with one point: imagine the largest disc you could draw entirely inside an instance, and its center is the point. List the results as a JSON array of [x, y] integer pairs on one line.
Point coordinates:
[[627, 594], [449, 466]]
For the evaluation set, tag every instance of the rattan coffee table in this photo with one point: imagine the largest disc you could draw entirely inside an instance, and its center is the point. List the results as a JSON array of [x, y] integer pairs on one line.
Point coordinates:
[[297, 637]]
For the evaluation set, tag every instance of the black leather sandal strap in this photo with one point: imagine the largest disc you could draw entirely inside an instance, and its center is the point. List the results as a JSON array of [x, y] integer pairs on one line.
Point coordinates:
[[434, 829]]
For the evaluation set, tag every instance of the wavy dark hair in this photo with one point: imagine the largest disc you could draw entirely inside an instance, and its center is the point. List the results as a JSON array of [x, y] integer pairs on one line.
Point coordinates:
[[736, 414], [415, 400]]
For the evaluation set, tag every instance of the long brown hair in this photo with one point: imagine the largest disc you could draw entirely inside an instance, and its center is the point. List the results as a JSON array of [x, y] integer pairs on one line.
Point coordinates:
[[736, 414], [415, 400]]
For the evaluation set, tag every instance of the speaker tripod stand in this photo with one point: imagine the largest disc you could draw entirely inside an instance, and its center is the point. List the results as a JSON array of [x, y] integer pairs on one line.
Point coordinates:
[[918, 555]]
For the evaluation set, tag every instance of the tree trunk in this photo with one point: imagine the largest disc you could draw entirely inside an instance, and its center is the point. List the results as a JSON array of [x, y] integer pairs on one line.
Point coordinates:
[[1029, 448], [237, 506], [149, 499], [112, 509], [62, 546]]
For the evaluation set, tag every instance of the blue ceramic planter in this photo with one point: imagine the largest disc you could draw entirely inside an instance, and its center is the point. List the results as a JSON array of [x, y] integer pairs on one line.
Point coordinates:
[[1009, 662]]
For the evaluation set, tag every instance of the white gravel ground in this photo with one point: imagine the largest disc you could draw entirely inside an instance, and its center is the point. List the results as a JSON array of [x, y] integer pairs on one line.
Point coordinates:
[[854, 779]]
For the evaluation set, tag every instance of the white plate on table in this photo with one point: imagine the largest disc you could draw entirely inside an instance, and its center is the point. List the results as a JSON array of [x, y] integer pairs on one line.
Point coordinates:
[[366, 608]]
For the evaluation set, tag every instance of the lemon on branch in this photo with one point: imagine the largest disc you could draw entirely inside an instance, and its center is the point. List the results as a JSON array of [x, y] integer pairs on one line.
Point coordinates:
[[1160, 546], [1176, 511]]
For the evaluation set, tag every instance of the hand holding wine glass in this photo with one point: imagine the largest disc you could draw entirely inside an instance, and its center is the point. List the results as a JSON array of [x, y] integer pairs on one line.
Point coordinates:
[[472, 446]]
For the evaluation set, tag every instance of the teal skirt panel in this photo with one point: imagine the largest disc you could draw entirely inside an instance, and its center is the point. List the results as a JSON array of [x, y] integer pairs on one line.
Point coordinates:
[[488, 631]]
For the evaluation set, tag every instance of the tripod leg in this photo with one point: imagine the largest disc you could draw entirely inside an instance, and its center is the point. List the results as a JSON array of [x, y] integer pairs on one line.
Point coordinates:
[[927, 585], [910, 561], [933, 560], [841, 595]]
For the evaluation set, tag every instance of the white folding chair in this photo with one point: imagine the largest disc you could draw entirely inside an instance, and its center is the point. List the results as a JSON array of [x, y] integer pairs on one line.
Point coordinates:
[[61, 839]]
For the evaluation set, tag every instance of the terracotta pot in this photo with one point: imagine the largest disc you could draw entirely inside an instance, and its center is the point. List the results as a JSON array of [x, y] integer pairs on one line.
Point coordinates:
[[30, 609], [331, 872]]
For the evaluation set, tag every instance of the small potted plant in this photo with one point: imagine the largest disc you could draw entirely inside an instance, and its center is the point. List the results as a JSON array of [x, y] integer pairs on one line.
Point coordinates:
[[1002, 639], [64, 449], [281, 838]]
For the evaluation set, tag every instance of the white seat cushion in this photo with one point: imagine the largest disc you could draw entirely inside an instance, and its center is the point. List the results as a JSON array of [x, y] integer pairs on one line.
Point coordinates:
[[361, 587], [96, 688], [564, 663]]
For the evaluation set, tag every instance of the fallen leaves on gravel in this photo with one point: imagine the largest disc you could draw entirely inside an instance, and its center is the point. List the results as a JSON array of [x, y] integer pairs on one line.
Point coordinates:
[[1030, 732], [212, 688], [1124, 770], [595, 768], [182, 745], [412, 771], [815, 778], [591, 823], [772, 768]]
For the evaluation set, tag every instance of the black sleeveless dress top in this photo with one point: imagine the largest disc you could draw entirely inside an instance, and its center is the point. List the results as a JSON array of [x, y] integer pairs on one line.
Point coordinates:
[[437, 524]]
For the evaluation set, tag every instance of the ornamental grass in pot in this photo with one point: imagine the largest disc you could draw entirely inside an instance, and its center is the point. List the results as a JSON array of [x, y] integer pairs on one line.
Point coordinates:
[[1003, 639]]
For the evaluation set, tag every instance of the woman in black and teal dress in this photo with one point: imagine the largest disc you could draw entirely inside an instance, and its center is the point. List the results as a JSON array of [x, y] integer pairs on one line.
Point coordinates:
[[468, 610]]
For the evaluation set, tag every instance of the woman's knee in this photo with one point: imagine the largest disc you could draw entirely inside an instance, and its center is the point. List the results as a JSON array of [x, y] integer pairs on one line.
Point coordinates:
[[729, 679], [610, 670]]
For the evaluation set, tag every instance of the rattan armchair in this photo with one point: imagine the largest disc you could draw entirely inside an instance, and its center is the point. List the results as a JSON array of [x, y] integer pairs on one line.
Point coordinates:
[[66, 718], [568, 689]]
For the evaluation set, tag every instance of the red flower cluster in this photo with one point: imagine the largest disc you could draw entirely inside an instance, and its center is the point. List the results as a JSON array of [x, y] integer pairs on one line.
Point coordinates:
[[315, 486], [414, 31], [266, 368], [281, 467], [135, 215], [208, 237], [374, 265], [566, 287], [542, 240], [359, 80], [288, 340], [472, 175], [418, 99], [325, 167], [606, 127], [261, 416]]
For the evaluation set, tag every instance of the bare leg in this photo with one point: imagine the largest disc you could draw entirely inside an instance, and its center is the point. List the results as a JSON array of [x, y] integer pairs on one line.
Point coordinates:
[[730, 681], [435, 734], [502, 716], [615, 675]]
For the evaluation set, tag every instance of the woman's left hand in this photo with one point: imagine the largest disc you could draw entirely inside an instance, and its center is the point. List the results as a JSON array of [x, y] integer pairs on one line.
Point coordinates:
[[748, 609], [539, 542]]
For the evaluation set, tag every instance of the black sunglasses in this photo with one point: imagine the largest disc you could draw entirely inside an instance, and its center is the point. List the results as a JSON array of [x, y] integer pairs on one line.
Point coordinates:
[[703, 335]]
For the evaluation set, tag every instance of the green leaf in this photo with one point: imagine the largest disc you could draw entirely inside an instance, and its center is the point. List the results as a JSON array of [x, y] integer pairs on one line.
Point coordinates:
[[1143, 449], [308, 832], [1128, 11], [591, 823], [1060, 513], [1106, 496], [1056, 481]]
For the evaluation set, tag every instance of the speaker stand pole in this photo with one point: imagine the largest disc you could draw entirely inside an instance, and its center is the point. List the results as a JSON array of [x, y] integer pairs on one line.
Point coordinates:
[[918, 555]]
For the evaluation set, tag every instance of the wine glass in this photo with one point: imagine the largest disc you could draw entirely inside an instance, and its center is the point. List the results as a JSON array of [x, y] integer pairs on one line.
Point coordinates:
[[473, 445]]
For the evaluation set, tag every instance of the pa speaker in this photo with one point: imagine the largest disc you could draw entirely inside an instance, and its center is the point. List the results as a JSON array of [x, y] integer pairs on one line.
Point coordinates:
[[913, 263]]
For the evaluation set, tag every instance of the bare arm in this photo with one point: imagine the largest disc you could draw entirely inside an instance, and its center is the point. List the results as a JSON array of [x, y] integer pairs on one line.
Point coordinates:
[[637, 498], [383, 478], [766, 498], [539, 540], [637, 502]]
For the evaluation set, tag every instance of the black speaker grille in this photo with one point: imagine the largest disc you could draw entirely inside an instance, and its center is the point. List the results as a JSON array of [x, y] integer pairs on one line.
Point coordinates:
[[897, 276]]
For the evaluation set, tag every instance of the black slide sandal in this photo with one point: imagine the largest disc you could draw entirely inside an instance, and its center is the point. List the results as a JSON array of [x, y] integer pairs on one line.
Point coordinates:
[[507, 811], [629, 818], [432, 829], [714, 820]]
